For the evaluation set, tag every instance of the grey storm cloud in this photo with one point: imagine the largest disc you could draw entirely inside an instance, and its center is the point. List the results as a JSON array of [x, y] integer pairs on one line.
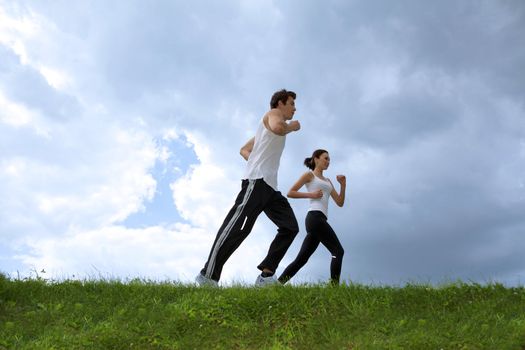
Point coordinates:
[[446, 199]]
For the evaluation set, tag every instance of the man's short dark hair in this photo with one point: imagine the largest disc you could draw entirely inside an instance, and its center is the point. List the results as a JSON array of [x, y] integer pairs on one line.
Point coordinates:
[[281, 95]]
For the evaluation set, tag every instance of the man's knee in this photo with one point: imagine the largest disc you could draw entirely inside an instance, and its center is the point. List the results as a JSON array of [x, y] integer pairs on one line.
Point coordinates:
[[301, 261], [291, 230], [338, 253], [294, 231]]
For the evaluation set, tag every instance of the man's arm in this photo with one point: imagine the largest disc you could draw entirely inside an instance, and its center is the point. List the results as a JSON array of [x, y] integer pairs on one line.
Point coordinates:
[[279, 126], [247, 148]]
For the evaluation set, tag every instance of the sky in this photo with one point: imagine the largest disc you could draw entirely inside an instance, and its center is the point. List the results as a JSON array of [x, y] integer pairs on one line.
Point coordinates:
[[121, 124]]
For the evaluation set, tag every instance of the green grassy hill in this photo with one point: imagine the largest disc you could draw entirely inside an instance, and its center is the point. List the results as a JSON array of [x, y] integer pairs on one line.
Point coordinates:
[[35, 314]]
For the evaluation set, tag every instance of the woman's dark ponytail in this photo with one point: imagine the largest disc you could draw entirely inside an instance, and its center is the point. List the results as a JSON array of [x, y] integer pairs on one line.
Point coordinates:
[[310, 161]]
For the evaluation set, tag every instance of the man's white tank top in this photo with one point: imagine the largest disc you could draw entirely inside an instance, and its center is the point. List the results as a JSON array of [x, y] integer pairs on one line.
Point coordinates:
[[320, 204], [265, 157]]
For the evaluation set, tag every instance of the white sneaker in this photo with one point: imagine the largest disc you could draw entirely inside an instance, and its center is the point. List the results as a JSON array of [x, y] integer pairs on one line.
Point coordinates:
[[204, 281], [266, 281]]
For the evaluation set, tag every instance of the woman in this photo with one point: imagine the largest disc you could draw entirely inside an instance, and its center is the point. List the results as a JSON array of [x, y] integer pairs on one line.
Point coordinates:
[[317, 228]]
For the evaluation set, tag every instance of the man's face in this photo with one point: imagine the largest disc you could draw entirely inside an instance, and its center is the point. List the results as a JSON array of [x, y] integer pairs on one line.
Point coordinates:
[[288, 108]]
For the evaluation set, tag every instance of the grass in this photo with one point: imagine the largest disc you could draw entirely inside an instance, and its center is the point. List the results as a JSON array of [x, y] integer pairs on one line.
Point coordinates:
[[137, 314]]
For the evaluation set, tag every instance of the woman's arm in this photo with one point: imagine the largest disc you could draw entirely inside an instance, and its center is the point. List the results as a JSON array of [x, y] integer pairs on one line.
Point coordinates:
[[339, 198], [294, 190]]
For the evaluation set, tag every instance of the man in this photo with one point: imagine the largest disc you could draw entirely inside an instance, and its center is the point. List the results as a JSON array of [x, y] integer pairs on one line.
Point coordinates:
[[259, 193]]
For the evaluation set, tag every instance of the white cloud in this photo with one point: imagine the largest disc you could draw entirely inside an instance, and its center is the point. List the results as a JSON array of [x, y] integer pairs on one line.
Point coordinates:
[[60, 80], [13, 114], [118, 252], [21, 31], [84, 176], [204, 195], [15, 30]]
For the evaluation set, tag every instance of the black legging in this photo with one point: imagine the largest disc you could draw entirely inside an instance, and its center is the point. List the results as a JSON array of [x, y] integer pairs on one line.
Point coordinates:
[[317, 231]]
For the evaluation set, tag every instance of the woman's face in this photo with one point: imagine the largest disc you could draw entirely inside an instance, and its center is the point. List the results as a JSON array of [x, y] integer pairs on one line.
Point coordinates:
[[323, 161]]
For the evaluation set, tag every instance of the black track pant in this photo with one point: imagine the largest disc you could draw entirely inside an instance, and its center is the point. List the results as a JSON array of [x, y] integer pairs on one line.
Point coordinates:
[[255, 197], [317, 231]]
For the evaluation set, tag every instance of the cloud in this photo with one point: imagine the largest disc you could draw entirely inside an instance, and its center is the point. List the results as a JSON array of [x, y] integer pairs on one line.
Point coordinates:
[[116, 252], [421, 106], [204, 193], [80, 177]]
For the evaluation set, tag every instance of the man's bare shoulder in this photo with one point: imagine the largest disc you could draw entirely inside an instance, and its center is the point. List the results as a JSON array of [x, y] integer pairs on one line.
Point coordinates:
[[274, 113], [272, 118]]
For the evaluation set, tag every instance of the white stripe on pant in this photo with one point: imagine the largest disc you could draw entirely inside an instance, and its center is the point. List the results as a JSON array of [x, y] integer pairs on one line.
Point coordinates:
[[224, 234]]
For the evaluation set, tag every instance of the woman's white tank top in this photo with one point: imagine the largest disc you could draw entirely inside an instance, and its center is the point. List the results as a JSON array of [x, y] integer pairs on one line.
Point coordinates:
[[265, 157], [320, 204]]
